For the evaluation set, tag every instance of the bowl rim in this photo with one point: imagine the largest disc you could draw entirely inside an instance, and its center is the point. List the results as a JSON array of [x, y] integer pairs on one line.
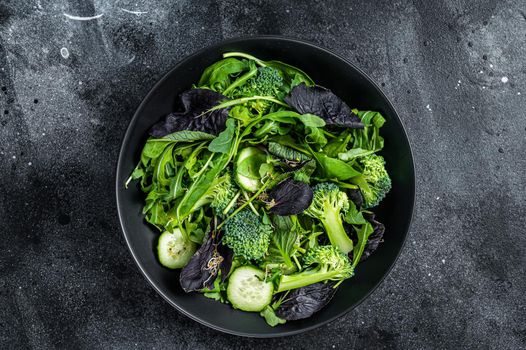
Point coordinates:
[[127, 136]]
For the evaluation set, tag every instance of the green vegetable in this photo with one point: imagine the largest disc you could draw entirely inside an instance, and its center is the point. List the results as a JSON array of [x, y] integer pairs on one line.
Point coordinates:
[[247, 289], [284, 246], [374, 182], [174, 250], [328, 205], [369, 137], [247, 235], [247, 171], [231, 172], [323, 263]]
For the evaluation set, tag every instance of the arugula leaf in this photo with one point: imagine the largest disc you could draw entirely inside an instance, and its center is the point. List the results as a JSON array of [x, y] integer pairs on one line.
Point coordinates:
[[223, 141]]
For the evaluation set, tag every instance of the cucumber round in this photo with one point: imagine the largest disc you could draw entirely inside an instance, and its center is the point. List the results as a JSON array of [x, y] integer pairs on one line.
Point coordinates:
[[247, 289], [246, 171], [174, 250]]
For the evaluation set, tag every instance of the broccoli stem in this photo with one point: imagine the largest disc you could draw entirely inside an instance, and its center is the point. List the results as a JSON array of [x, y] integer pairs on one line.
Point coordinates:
[[302, 279], [240, 81], [244, 55], [332, 222]]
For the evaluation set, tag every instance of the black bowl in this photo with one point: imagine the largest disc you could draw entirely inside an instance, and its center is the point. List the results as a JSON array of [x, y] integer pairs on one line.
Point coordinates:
[[327, 69]]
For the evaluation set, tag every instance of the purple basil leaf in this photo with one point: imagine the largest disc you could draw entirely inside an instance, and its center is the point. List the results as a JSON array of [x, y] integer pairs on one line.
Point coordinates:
[[195, 102], [305, 301], [290, 197], [375, 238], [197, 274], [322, 102]]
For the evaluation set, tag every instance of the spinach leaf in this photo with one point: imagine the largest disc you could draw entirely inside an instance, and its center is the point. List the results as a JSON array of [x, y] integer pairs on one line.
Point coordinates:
[[198, 114], [312, 120], [223, 142], [332, 168], [217, 76], [322, 102]]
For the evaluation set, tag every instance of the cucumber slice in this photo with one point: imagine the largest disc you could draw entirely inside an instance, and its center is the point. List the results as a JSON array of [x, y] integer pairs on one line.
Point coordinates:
[[173, 250], [247, 291], [248, 162]]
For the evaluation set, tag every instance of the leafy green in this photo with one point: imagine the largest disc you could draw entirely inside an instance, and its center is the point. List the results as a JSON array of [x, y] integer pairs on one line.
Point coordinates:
[[223, 142], [185, 136]]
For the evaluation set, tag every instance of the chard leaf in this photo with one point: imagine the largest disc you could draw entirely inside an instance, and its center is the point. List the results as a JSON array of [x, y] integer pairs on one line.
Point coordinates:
[[223, 141]]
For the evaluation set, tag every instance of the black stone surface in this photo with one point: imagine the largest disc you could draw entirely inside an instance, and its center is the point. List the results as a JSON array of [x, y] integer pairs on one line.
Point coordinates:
[[454, 69]]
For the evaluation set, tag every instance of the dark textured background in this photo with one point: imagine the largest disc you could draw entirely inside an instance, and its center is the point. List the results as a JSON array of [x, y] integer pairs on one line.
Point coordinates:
[[454, 69]]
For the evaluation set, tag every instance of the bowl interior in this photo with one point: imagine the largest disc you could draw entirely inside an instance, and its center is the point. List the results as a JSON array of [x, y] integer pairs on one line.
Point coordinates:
[[327, 70]]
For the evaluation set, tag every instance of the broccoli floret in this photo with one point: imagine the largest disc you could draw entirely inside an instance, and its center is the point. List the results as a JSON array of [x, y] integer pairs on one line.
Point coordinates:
[[327, 206], [247, 235], [374, 182], [267, 82], [225, 194], [323, 263]]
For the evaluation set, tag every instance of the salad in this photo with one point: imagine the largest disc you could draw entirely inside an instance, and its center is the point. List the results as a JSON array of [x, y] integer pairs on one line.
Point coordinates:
[[261, 186]]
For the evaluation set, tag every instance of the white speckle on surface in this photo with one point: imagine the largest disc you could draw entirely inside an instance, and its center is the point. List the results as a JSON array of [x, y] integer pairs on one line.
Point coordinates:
[[80, 18], [64, 52], [43, 134], [429, 274], [29, 163], [202, 28], [443, 261], [481, 72], [438, 198], [138, 13], [491, 66], [14, 157], [504, 80], [428, 108], [80, 82], [483, 88], [287, 11], [518, 93]]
